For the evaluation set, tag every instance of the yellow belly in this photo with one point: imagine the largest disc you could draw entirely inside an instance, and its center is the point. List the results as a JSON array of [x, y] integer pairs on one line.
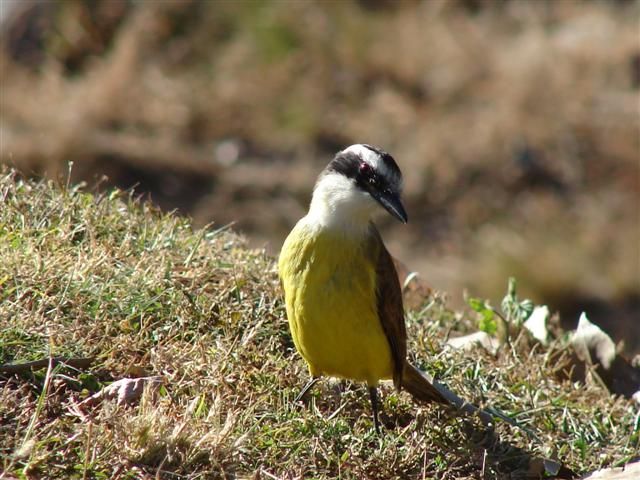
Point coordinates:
[[329, 285]]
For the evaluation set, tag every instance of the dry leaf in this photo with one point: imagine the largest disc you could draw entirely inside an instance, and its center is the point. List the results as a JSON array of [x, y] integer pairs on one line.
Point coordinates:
[[592, 344], [125, 391], [469, 342], [631, 471], [595, 347], [537, 324]]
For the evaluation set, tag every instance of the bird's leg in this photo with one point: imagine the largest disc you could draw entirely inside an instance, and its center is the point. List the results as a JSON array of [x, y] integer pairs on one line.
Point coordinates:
[[306, 388], [373, 396]]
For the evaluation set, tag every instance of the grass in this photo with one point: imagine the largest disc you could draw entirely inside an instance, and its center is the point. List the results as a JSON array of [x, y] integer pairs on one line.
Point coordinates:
[[143, 293], [515, 123]]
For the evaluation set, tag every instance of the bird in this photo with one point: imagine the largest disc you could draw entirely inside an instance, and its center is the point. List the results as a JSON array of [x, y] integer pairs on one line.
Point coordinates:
[[342, 293]]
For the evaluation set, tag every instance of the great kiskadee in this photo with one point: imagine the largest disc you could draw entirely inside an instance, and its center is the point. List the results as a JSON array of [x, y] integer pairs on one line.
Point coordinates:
[[342, 292]]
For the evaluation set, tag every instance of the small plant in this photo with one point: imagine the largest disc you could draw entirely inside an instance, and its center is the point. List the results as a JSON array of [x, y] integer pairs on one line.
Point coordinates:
[[515, 311], [509, 319]]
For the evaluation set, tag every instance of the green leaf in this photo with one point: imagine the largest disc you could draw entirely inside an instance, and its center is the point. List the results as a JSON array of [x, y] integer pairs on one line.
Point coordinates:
[[488, 322], [525, 309], [477, 304]]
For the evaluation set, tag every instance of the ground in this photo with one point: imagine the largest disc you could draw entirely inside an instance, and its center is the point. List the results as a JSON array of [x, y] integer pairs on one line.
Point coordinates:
[[138, 293]]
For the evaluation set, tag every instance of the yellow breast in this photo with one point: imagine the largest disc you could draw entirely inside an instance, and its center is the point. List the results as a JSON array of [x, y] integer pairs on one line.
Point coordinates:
[[330, 293]]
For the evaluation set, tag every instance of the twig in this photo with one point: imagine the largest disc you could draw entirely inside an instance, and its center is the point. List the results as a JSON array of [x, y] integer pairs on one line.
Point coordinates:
[[77, 362]]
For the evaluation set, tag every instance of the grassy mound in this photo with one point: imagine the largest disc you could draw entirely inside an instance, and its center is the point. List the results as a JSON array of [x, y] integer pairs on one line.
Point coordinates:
[[141, 293]]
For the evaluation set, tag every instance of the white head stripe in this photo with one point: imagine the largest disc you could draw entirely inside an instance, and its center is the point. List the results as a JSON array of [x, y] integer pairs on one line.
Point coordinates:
[[369, 156]]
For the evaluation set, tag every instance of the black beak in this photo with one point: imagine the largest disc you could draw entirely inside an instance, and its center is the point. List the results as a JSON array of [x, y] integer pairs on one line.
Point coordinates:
[[392, 204]]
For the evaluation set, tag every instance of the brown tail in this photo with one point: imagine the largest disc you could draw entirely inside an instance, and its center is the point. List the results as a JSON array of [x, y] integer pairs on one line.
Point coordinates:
[[420, 386]]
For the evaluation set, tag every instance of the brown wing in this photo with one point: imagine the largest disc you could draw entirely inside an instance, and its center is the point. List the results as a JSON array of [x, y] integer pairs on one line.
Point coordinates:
[[390, 309]]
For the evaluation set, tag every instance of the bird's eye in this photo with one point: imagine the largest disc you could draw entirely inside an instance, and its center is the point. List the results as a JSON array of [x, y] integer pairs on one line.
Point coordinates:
[[365, 168]]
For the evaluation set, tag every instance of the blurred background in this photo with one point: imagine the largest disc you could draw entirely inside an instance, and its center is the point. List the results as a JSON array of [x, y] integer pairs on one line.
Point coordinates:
[[516, 124]]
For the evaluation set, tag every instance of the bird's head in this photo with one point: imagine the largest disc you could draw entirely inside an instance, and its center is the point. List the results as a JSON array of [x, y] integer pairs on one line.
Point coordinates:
[[356, 182]]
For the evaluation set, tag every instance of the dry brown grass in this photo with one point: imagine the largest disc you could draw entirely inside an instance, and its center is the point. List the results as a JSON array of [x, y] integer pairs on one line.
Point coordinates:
[[143, 293]]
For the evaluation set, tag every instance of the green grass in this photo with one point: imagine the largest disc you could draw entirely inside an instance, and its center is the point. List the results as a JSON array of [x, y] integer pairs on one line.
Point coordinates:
[[144, 294]]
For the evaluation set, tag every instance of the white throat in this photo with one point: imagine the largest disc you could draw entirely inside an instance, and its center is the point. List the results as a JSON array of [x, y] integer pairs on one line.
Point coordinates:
[[338, 204]]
